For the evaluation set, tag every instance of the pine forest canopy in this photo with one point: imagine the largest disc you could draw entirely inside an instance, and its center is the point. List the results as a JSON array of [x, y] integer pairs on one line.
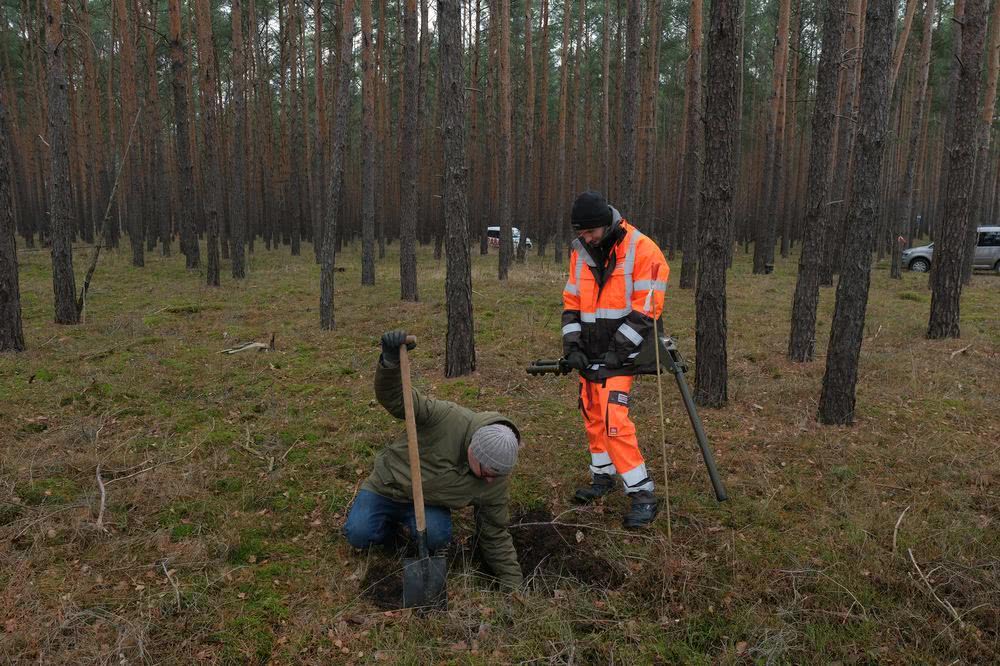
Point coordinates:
[[281, 105]]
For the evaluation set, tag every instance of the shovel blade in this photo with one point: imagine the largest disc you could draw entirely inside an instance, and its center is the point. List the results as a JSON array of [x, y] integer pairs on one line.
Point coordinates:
[[425, 583]]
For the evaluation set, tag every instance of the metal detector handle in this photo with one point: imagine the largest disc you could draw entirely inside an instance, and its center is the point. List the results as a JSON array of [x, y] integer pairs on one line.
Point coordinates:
[[675, 364], [411, 445]]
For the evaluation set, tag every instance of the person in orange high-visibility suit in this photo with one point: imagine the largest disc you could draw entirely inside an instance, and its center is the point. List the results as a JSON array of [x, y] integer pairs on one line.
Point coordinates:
[[614, 294]]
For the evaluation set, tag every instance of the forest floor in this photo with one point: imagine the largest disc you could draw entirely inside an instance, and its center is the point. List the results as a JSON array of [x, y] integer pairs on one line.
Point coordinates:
[[226, 479]]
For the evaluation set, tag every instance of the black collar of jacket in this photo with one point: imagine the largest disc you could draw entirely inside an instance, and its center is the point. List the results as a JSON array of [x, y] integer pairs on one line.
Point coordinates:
[[604, 255]]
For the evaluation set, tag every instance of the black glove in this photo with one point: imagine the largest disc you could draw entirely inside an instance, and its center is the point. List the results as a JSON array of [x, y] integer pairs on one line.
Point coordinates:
[[391, 343], [611, 360], [576, 360]]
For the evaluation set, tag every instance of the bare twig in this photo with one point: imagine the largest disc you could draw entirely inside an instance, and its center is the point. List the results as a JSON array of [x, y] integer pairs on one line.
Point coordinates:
[[159, 464], [944, 603], [177, 592], [104, 496], [289, 449], [895, 530]]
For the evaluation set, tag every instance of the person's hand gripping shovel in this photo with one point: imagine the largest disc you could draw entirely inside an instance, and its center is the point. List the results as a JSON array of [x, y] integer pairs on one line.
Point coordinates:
[[425, 578]]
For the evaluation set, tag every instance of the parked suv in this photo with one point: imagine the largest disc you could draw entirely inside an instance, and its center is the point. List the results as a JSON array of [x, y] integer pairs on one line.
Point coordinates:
[[987, 256], [493, 234]]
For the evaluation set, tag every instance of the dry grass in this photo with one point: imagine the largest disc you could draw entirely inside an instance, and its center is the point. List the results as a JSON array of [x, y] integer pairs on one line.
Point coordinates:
[[226, 479]]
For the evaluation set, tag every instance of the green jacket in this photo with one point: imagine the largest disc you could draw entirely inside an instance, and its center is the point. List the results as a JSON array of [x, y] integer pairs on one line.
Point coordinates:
[[444, 431]]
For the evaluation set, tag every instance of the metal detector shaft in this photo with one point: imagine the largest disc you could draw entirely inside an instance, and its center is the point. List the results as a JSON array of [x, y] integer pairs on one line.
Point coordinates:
[[675, 364]]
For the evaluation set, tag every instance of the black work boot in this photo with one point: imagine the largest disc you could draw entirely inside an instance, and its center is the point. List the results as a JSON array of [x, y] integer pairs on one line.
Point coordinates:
[[600, 485], [645, 506]]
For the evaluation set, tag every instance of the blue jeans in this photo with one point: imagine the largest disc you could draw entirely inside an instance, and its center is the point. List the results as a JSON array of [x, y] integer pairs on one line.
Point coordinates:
[[373, 519]]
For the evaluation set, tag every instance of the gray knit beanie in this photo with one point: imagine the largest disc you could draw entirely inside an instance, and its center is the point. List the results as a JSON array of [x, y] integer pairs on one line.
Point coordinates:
[[495, 446]]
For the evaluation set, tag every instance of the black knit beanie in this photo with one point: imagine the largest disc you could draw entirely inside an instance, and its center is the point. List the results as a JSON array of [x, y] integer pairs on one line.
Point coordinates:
[[590, 210]]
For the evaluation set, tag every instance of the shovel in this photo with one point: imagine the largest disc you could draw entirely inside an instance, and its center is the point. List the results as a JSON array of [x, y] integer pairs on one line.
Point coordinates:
[[425, 578]]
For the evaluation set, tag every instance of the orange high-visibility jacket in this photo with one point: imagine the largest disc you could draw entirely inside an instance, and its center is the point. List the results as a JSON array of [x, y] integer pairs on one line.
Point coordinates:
[[613, 307]]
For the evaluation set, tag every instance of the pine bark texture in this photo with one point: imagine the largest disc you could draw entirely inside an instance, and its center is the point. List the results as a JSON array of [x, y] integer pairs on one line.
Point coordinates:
[[844, 141], [979, 204], [237, 183], [718, 195], [920, 103], [527, 172], [329, 249], [408, 156], [460, 349], [11, 331], [763, 253], [950, 242], [130, 169], [693, 142], [184, 174], [630, 112], [59, 193], [837, 399], [210, 131], [802, 339], [367, 147], [506, 153]]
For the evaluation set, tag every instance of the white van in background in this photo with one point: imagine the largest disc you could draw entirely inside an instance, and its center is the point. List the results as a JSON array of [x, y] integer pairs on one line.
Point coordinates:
[[493, 234]]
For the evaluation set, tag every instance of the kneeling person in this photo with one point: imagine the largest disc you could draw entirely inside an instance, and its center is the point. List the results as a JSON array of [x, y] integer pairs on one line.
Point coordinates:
[[465, 459]]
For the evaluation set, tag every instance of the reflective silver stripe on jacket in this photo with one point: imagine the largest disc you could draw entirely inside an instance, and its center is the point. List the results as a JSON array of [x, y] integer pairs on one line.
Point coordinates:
[[630, 333], [655, 285], [604, 313], [630, 265]]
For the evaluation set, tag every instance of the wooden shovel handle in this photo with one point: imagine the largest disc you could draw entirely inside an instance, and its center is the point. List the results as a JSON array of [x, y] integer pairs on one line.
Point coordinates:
[[411, 435]]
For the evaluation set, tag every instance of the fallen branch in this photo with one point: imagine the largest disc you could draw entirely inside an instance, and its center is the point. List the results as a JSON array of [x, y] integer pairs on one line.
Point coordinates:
[[961, 351], [248, 346]]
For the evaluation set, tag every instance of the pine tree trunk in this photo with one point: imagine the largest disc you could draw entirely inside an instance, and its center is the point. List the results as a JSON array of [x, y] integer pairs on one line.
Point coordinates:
[[630, 112], [605, 101], [335, 220], [527, 172], [131, 172], [543, 203], [367, 148], [763, 253], [318, 191], [210, 129], [460, 350], [59, 195], [506, 153], [851, 57], [96, 167], [920, 102], [802, 339], [716, 214], [904, 36], [11, 332], [562, 200], [182, 144], [693, 143], [298, 187], [836, 405], [951, 241], [237, 184], [979, 205], [408, 150]]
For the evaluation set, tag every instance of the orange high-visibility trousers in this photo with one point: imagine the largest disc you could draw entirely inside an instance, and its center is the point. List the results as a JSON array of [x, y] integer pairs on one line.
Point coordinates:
[[614, 448]]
